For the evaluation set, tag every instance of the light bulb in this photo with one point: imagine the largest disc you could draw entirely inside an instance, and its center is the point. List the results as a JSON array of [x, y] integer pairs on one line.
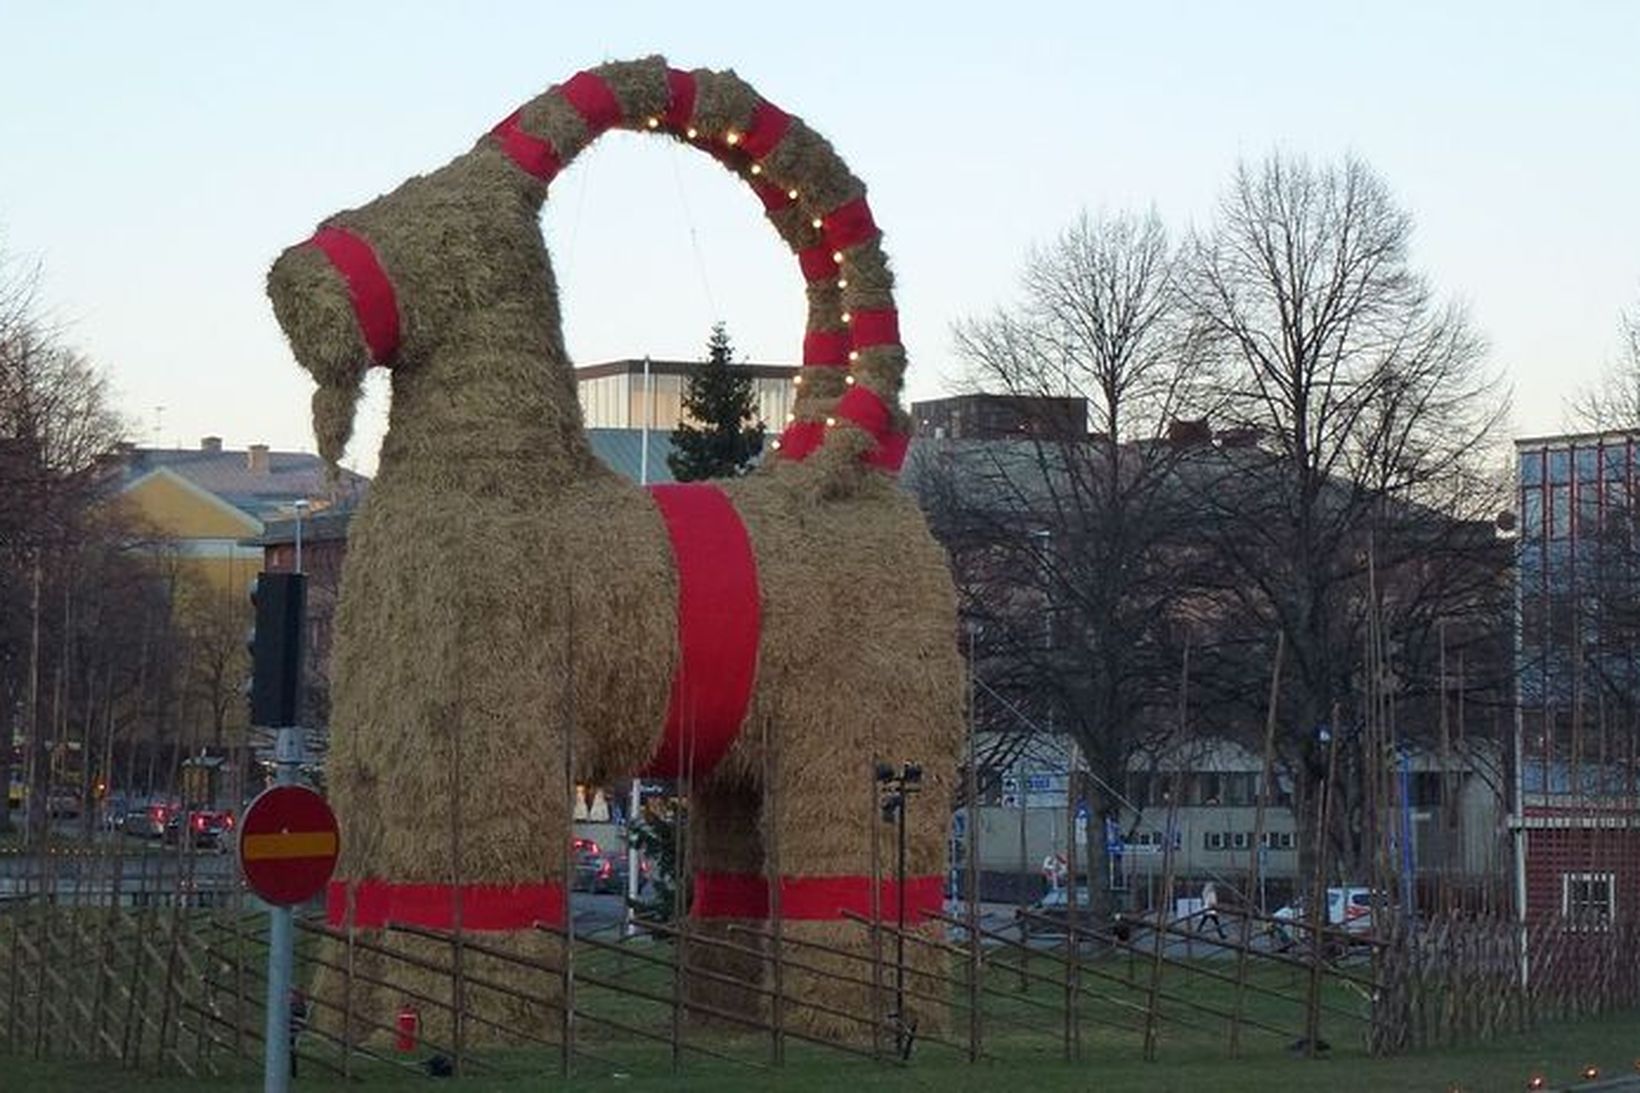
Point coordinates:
[[849, 380], [654, 123], [853, 354], [830, 421], [757, 168], [837, 256], [847, 316], [775, 444], [815, 224], [842, 282], [797, 381], [693, 132], [790, 418], [792, 193], [731, 138]]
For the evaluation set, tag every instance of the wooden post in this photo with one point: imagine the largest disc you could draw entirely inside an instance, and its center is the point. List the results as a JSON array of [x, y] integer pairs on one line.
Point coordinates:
[[971, 866], [566, 1027], [1318, 915], [1255, 870], [458, 981], [771, 828]]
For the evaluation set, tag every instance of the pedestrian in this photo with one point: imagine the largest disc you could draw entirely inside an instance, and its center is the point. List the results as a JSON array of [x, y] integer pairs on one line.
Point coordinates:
[[1210, 909]]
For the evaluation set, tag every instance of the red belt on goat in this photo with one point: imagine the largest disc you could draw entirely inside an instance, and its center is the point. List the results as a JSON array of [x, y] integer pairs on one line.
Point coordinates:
[[719, 623]]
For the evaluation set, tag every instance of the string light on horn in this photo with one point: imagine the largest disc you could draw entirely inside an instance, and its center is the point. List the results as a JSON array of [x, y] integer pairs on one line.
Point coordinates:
[[842, 282], [816, 223], [775, 444], [797, 381], [653, 122], [847, 317], [849, 380], [853, 354], [757, 168], [692, 132], [792, 193], [731, 138], [830, 422], [837, 256]]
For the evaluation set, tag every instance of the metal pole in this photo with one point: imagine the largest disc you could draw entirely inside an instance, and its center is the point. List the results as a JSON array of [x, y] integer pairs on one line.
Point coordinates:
[[281, 944], [899, 935], [634, 800], [300, 506]]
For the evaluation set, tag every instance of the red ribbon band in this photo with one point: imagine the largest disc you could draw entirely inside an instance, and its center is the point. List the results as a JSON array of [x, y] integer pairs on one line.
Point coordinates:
[[773, 197], [872, 328], [531, 154], [849, 224], [814, 899], [379, 903], [825, 348], [817, 263], [593, 100], [769, 125], [865, 408], [375, 305], [801, 438], [719, 620], [680, 99]]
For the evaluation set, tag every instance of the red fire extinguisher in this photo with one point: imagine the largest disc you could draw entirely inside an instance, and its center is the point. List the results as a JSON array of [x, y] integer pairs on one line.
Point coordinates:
[[409, 1024]]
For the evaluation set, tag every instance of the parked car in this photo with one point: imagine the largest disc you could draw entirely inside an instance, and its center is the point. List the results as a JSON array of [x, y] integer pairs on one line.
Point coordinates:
[[602, 871], [209, 829], [147, 821], [1349, 908]]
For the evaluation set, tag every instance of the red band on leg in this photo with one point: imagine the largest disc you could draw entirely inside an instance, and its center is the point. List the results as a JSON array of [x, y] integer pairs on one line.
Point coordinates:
[[532, 155], [680, 99], [593, 100], [815, 899], [379, 903], [719, 616], [375, 305], [849, 224]]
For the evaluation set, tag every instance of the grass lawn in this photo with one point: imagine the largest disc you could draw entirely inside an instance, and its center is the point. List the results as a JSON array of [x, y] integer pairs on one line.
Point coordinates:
[[1559, 1052]]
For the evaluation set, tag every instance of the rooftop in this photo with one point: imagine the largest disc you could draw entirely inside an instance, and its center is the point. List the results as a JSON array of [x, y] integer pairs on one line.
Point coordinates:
[[256, 480]]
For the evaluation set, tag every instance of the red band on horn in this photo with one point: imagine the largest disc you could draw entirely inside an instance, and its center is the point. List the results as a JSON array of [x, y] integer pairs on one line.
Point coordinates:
[[872, 328], [375, 305], [849, 224], [680, 99], [379, 903], [815, 899], [773, 197], [719, 620], [825, 348], [769, 125], [865, 408], [817, 263], [801, 438], [593, 100], [532, 155]]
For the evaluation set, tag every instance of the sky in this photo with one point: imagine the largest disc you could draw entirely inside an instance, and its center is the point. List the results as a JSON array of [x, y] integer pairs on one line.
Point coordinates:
[[155, 158]]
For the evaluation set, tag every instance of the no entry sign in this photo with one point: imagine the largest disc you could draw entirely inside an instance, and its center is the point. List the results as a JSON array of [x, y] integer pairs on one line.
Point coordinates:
[[288, 844]]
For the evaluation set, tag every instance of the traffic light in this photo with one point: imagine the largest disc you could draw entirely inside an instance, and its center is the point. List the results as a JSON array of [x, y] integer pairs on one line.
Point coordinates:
[[276, 648]]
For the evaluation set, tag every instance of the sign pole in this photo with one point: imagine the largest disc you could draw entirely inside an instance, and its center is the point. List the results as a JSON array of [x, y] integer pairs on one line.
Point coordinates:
[[281, 944]]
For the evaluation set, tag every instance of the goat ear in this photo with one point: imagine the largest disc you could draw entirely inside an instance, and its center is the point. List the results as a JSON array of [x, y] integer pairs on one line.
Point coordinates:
[[333, 409]]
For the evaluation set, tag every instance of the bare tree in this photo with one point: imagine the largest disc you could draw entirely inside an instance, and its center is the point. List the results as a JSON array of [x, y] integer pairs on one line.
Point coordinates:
[[1066, 540], [57, 433], [1614, 403], [1360, 520]]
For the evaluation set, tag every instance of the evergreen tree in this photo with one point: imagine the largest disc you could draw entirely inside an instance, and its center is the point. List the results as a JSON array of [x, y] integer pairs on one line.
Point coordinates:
[[721, 434]]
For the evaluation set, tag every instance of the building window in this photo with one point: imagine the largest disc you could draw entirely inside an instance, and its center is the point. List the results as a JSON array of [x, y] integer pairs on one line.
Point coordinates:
[[1214, 840], [1560, 467], [1588, 899], [1239, 840], [1613, 463], [1531, 468], [1277, 840], [1588, 464], [1239, 788]]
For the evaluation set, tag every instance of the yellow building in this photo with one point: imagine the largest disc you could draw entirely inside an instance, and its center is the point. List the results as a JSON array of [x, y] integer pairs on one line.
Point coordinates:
[[208, 501]]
